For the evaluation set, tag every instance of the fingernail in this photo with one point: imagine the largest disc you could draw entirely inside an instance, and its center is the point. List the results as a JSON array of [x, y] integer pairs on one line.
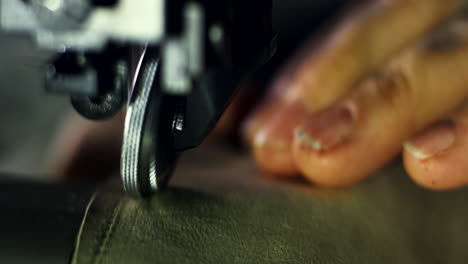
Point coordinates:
[[278, 131], [327, 129], [433, 141]]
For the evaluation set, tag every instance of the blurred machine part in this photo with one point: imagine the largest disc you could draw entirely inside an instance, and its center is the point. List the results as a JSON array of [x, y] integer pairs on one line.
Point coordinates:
[[174, 64]]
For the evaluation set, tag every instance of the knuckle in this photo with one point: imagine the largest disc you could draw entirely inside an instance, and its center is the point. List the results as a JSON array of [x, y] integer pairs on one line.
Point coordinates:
[[393, 86]]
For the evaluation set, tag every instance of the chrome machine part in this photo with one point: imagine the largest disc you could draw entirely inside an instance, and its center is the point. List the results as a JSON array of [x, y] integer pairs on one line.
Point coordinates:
[[147, 151], [80, 25], [184, 54], [206, 48]]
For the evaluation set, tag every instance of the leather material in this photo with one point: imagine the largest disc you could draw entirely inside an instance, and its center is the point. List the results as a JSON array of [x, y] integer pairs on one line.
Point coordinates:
[[219, 210], [39, 221]]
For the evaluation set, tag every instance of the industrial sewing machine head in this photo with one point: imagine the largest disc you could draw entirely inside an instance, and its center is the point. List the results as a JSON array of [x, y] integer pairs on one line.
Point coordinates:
[[174, 64]]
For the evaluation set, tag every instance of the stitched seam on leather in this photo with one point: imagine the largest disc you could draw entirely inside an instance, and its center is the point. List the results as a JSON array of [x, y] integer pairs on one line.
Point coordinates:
[[109, 230], [76, 250]]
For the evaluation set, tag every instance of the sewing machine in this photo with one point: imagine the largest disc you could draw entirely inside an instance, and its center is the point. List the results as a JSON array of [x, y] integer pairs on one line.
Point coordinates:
[[173, 64]]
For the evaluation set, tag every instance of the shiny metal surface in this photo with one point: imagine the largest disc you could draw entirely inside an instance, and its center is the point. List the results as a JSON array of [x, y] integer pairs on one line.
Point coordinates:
[[133, 132], [76, 24], [147, 151]]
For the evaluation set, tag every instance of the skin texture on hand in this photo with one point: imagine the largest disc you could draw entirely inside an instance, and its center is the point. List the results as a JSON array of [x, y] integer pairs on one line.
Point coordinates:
[[319, 76], [389, 107], [436, 158], [309, 128], [363, 40]]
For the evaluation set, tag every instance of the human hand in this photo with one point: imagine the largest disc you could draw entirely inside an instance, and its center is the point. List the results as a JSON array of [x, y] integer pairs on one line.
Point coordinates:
[[378, 81]]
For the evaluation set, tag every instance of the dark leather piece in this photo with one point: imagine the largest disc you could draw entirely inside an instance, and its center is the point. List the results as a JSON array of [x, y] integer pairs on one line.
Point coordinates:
[[219, 210], [39, 221]]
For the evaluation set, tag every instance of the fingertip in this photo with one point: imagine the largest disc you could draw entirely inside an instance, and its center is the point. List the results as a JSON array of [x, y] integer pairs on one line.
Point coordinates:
[[272, 142], [275, 160], [436, 158], [436, 173], [257, 119], [426, 173], [326, 168]]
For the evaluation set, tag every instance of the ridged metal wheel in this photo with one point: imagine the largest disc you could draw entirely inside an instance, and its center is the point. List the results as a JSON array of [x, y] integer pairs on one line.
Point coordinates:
[[147, 154]]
